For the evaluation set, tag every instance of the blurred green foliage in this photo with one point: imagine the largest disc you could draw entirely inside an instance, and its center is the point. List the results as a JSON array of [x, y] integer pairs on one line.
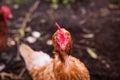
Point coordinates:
[[20, 1], [0, 0], [116, 2], [67, 1], [55, 3], [15, 1], [62, 1]]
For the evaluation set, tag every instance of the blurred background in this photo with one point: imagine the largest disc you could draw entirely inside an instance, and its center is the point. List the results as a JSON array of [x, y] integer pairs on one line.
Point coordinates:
[[93, 24]]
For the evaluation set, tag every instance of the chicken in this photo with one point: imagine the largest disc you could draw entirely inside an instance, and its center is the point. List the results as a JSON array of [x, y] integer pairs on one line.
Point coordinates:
[[62, 67], [5, 15]]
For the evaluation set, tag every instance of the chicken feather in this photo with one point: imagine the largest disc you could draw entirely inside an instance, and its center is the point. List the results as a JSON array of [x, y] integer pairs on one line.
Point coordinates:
[[34, 59]]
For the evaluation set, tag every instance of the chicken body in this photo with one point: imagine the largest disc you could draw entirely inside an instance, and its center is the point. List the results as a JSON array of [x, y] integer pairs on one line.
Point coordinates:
[[62, 67], [3, 35], [42, 67]]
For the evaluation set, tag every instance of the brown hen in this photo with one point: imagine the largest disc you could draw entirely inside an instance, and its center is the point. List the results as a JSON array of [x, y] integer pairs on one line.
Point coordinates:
[[62, 67]]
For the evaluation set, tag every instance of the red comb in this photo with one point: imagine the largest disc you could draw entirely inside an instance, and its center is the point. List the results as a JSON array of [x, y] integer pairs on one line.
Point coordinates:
[[59, 28], [61, 36]]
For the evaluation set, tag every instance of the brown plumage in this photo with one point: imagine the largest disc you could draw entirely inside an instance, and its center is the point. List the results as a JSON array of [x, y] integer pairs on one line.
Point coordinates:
[[5, 15], [62, 67]]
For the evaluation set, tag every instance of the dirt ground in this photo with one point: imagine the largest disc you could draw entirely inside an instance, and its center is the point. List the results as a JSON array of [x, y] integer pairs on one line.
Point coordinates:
[[98, 18]]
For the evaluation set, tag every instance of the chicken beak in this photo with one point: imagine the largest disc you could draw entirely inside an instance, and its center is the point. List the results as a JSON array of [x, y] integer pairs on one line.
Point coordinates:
[[62, 46]]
